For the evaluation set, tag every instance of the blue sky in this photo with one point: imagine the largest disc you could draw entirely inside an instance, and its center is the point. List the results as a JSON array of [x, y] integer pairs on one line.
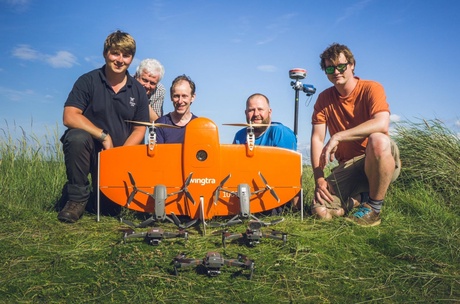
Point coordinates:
[[232, 49]]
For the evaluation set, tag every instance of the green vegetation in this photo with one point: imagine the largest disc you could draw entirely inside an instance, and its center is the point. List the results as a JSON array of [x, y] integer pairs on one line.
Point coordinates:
[[413, 256]]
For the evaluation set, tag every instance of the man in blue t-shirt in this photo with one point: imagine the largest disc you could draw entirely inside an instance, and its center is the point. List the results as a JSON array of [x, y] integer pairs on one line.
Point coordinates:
[[258, 111], [182, 96], [95, 114]]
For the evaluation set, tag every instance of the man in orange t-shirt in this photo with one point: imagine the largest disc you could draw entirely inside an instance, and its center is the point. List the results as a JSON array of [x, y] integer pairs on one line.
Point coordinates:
[[358, 117]]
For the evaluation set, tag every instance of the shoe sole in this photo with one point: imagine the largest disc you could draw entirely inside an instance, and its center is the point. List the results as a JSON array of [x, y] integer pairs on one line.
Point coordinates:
[[376, 223]]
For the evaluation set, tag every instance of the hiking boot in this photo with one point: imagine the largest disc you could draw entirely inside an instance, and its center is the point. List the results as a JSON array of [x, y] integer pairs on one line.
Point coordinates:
[[71, 212], [365, 216]]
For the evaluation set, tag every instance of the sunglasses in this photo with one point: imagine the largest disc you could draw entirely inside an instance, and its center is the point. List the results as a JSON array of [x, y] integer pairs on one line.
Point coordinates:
[[340, 67]]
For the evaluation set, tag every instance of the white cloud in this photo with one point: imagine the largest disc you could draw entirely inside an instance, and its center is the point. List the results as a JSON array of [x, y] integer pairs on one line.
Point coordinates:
[[395, 118], [15, 95], [25, 52], [62, 59], [457, 123], [18, 5], [266, 68], [354, 10]]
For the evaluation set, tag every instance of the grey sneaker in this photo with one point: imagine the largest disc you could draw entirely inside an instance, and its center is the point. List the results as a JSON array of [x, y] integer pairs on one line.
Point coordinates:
[[71, 212], [365, 216]]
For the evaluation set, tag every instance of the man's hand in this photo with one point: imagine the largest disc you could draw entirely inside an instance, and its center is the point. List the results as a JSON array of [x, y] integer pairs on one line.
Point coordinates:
[[107, 143], [322, 192], [328, 152]]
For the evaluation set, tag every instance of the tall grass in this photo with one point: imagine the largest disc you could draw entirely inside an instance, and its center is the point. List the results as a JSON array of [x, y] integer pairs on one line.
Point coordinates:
[[431, 156], [412, 257], [32, 170]]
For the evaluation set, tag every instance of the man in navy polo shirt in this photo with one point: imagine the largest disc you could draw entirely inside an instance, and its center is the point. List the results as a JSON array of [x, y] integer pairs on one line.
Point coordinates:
[[95, 114], [182, 96]]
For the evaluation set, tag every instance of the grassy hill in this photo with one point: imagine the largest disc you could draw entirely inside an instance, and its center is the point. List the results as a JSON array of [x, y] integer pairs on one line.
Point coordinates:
[[413, 256]]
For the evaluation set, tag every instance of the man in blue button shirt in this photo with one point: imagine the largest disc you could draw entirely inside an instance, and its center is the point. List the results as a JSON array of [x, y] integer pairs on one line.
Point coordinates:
[[95, 114]]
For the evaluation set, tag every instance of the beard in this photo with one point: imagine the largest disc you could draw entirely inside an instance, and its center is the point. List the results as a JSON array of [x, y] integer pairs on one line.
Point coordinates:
[[260, 130]]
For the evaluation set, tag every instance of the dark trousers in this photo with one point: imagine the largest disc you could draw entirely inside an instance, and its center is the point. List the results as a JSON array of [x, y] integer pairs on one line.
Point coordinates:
[[80, 157]]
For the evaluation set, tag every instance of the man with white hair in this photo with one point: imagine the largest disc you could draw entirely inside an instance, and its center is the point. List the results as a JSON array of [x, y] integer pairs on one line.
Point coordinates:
[[149, 73]]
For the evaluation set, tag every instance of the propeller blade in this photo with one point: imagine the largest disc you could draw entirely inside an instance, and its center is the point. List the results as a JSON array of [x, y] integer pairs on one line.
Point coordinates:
[[188, 179], [189, 196], [131, 197], [131, 178], [272, 191], [152, 124], [225, 180], [129, 223], [234, 222], [263, 178], [215, 225], [274, 222], [175, 219], [189, 224], [146, 223], [246, 125]]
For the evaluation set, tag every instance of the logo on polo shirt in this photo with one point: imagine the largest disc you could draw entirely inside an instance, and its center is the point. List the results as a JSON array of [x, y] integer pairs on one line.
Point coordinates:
[[132, 101]]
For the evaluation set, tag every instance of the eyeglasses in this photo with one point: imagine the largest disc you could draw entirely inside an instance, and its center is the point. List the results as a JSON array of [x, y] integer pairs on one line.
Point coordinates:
[[342, 67]]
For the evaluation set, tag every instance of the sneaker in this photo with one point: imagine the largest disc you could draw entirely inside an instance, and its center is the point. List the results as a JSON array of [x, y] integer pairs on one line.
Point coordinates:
[[365, 216], [71, 212]]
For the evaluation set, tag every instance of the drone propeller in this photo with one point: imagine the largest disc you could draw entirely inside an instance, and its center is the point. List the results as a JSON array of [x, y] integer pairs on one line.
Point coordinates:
[[255, 125], [232, 222], [221, 185], [272, 191], [274, 222], [152, 124], [135, 190], [180, 225], [187, 182]]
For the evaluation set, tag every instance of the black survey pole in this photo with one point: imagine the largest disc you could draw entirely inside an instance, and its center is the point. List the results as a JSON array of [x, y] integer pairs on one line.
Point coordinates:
[[308, 89], [296, 111]]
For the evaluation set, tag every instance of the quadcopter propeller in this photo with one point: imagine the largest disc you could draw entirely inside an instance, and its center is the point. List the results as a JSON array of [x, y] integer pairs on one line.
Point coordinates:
[[232, 222], [152, 124], [185, 189], [272, 191], [178, 223], [135, 190], [187, 182], [221, 185]]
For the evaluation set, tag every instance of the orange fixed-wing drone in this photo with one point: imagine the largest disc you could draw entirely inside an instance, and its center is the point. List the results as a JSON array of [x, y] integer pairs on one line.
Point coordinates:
[[200, 178]]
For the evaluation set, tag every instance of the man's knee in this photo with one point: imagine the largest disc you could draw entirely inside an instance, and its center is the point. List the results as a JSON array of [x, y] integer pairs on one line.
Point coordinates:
[[378, 145]]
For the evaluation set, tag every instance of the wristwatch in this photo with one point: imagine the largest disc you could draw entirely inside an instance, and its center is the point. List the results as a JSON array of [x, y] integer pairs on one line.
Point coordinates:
[[103, 135]]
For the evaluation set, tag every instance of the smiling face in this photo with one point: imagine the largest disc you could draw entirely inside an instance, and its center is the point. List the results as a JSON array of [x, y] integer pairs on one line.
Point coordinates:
[[148, 81], [117, 61], [258, 111], [182, 97], [338, 77]]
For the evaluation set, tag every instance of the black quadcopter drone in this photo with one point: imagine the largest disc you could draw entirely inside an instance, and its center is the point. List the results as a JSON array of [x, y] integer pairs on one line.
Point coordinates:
[[155, 235], [254, 234], [213, 262]]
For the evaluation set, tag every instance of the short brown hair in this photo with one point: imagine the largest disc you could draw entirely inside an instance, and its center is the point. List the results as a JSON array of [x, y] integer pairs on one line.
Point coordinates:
[[183, 78], [332, 53], [120, 41]]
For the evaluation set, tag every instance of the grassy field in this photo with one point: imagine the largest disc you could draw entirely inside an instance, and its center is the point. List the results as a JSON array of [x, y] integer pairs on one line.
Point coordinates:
[[412, 257]]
